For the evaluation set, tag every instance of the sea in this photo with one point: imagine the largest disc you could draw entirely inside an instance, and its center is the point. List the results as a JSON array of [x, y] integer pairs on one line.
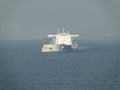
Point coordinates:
[[96, 66]]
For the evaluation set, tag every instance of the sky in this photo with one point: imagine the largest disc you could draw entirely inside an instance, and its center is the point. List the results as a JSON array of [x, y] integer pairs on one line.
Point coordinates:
[[35, 19]]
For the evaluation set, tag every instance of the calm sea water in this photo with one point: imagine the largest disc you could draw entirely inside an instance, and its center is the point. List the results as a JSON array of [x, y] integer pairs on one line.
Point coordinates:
[[24, 67]]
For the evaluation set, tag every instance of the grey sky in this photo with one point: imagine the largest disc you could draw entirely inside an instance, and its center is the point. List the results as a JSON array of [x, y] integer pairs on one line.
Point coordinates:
[[34, 19]]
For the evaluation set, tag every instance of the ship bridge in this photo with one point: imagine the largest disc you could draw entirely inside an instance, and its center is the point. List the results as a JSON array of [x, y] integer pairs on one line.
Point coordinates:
[[63, 38]]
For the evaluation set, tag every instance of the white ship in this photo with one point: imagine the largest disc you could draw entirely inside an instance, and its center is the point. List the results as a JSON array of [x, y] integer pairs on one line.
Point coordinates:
[[61, 42]]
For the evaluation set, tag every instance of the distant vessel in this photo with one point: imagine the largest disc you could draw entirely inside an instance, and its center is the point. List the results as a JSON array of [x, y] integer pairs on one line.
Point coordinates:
[[61, 42]]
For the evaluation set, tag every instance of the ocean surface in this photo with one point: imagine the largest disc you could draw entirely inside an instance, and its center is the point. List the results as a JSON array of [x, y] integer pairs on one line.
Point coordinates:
[[95, 67]]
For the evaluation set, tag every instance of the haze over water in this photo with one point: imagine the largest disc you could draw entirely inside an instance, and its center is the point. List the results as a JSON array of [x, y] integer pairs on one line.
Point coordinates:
[[28, 19], [24, 24]]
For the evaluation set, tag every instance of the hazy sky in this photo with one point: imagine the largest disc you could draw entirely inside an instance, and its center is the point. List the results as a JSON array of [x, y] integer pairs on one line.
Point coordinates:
[[34, 19]]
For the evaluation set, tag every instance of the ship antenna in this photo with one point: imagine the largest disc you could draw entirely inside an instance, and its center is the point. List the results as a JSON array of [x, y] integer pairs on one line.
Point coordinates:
[[63, 30]]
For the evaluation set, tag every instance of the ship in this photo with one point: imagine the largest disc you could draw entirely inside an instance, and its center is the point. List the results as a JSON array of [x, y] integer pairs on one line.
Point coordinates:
[[61, 42]]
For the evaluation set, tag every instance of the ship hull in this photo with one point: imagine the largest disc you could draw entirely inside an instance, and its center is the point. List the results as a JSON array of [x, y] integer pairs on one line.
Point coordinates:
[[57, 48], [51, 48]]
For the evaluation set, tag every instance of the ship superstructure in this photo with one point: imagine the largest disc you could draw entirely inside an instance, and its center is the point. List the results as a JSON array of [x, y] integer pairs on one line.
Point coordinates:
[[63, 41]]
